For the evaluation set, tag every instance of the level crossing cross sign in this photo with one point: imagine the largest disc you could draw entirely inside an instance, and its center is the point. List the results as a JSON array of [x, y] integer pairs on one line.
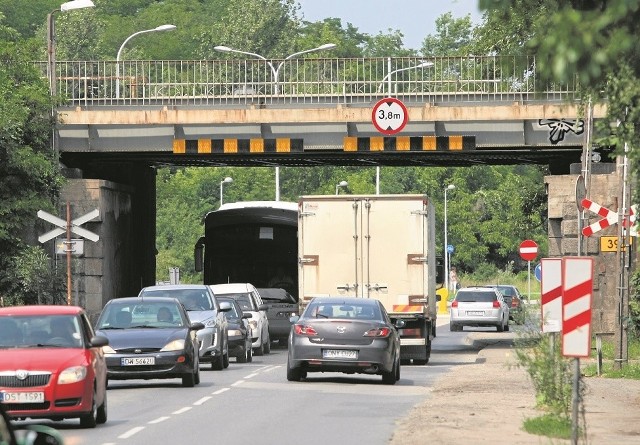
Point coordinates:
[[62, 226], [609, 218]]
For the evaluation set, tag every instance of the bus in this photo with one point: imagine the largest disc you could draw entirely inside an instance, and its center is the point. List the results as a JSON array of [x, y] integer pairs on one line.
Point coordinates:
[[250, 242]]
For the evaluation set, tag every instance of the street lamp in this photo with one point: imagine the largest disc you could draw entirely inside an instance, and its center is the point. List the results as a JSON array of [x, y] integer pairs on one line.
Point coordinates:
[[51, 38], [275, 71], [227, 180], [156, 29], [342, 184], [388, 76], [446, 241]]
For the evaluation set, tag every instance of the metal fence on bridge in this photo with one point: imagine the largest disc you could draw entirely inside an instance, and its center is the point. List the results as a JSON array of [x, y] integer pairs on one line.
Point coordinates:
[[230, 82]]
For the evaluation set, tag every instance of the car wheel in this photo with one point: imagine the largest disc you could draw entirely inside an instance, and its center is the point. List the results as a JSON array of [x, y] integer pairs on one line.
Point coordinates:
[[260, 349], [225, 360], [390, 378], [189, 380], [398, 372], [293, 374], [242, 356], [196, 376], [267, 345], [217, 364], [500, 327], [89, 420], [506, 327], [102, 409], [249, 354]]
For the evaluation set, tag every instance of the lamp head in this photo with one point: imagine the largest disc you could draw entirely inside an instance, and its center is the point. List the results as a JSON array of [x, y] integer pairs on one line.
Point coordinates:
[[222, 48], [327, 46], [343, 184], [228, 180], [165, 28], [425, 64], [451, 186], [76, 4]]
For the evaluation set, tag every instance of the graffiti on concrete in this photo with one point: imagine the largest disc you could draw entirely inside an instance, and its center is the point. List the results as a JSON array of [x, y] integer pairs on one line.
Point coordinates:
[[558, 128]]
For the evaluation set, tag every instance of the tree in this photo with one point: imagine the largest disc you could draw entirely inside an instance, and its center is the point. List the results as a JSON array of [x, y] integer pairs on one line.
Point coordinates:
[[453, 37], [29, 176]]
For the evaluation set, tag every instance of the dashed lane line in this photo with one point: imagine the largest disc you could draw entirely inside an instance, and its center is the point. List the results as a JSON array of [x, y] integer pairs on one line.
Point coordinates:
[[131, 432]]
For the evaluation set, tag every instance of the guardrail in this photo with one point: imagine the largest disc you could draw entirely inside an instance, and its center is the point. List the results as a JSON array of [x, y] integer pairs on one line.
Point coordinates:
[[303, 81]]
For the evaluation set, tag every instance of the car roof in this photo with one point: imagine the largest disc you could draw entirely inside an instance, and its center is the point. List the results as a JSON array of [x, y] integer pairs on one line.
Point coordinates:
[[231, 287], [478, 289], [175, 286], [136, 300], [41, 310], [344, 300]]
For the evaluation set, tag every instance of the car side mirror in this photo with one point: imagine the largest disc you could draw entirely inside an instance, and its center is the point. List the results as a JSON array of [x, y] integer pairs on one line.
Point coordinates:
[[98, 341], [247, 315], [294, 319], [263, 307], [196, 326]]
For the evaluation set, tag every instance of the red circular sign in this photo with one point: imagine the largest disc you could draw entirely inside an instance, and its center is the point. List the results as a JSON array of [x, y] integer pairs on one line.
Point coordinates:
[[528, 250], [389, 116]]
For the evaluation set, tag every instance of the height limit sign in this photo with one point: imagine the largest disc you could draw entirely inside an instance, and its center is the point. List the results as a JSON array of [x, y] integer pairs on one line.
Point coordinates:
[[389, 116]]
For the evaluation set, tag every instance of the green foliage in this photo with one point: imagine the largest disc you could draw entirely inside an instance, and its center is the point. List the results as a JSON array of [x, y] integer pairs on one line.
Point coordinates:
[[550, 372], [549, 425], [39, 280], [452, 38], [29, 176]]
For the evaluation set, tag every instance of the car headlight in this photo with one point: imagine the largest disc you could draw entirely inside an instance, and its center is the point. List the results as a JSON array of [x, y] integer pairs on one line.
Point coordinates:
[[108, 350], [235, 333], [72, 375], [175, 345]]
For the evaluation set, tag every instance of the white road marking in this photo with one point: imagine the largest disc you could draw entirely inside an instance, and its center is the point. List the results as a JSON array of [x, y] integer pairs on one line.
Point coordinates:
[[220, 391], [182, 410], [271, 368], [131, 432], [251, 375], [159, 419], [202, 400], [239, 382]]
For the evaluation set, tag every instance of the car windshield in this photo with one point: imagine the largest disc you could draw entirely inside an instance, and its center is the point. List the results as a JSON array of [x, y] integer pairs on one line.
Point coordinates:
[[276, 294], [475, 297], [62, 331], [506, 291], [343, 311], [192, 299], [141, 315], [243, 300]]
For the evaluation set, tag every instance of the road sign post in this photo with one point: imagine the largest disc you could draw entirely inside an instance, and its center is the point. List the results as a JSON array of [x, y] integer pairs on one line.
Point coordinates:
[[68, 226]]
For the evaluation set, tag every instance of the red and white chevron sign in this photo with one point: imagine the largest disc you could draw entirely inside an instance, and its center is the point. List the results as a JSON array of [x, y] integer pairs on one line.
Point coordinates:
[[577, 291], [551, 294], [609, 218]]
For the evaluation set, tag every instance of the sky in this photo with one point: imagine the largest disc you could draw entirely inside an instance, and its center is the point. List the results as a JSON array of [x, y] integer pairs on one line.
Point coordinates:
[[414, 18]]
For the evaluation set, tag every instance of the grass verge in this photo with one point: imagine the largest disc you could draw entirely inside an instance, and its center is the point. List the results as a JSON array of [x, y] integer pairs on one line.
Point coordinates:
[[549, 425]]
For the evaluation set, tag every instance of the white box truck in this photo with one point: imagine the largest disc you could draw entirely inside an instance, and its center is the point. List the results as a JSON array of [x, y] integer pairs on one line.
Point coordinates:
[[373, 246]]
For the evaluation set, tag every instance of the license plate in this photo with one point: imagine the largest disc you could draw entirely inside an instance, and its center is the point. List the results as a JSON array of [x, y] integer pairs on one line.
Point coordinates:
[[21, 397], [339, 353], [475, 312], [138, 361]]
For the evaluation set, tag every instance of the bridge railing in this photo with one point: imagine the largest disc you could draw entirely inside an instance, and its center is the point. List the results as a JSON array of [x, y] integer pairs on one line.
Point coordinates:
[[323, 81]]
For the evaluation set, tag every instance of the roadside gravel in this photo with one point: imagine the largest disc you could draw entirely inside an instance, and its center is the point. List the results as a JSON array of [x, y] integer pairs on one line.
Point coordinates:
[[486, 402]]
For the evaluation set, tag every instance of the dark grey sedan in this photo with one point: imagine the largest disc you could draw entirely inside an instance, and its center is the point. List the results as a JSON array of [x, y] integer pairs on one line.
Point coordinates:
[[348, 335], [150, 338]]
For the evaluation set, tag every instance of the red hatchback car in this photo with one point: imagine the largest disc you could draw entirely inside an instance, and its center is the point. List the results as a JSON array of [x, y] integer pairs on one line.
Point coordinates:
[[52, 365]]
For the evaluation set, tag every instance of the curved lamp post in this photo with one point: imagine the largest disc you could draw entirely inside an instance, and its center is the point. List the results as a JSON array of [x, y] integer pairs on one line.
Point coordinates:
[[275, 71], [446, 241], [156, 29], [342, 184], [51, 37], [227, 180], [388, 76]]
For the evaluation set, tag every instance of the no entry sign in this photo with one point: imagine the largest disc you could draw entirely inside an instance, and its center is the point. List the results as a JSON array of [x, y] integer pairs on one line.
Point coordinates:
[[528, 250], [389, 116]]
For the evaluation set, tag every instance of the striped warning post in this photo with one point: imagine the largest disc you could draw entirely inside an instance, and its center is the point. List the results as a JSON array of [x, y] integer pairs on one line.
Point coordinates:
[[577, 292], [551, 294]]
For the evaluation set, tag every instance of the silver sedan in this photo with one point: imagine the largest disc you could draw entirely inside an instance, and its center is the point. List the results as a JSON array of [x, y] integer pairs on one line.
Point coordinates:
[[348, 335], [479, 306]]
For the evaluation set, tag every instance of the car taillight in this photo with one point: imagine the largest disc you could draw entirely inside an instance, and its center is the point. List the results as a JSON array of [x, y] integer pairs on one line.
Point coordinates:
[[302, 329], [496, 303], [379, 332], [454, 303]]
